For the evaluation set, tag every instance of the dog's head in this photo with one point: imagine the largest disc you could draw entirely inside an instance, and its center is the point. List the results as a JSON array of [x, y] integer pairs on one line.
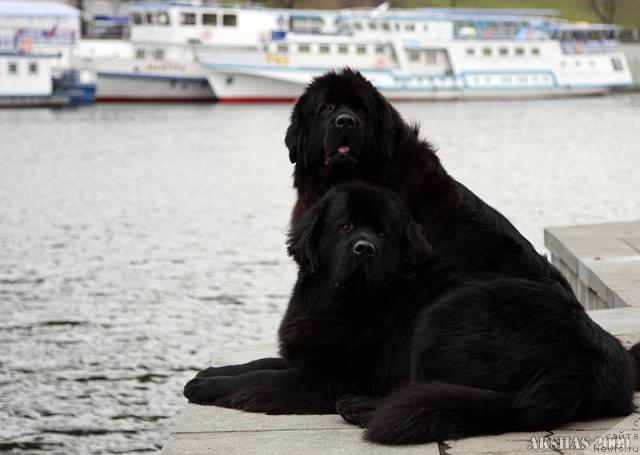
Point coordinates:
[[341, 126], [358, 237]]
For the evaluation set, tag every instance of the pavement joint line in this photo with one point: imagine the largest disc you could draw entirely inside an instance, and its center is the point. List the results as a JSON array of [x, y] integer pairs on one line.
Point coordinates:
[[630, 244]]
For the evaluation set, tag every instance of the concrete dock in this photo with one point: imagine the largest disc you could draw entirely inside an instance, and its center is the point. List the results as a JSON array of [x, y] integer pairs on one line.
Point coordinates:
[[602, 262]]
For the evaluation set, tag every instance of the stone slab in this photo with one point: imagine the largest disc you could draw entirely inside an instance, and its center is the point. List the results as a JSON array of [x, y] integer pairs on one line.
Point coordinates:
[[618, 321], [310, 442], [210, 419], [603, 259]]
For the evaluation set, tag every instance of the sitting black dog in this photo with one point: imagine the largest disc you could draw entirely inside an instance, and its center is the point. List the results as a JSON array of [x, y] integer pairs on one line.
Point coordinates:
[[415, 352]]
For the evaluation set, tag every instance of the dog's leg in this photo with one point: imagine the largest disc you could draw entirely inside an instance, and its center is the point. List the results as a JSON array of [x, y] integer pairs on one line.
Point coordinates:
[[270, 363], [357, 409], [287, 391]]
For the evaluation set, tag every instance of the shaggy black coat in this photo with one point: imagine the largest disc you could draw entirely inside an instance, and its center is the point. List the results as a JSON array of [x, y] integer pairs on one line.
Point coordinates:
[[402, 342]]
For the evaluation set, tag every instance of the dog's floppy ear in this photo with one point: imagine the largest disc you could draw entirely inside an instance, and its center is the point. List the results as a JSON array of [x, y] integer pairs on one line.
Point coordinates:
[[295, 139], [417, 249], [390, 128], [303, 238]]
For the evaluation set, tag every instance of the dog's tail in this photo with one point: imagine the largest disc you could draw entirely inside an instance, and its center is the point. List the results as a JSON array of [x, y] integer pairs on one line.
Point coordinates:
[[634, 352], [425, 412]]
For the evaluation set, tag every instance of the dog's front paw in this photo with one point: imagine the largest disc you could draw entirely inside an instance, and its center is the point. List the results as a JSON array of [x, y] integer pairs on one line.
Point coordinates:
[[205, 390], [211, 372], [357, 409]]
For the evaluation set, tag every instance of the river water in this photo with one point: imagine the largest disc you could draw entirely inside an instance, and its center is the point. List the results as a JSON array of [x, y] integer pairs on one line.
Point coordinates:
[[138, 240]]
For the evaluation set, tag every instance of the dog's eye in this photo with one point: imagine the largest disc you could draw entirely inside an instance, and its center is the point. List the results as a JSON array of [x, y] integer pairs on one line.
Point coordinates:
[[381, 235], [328, 108], [346, 227]]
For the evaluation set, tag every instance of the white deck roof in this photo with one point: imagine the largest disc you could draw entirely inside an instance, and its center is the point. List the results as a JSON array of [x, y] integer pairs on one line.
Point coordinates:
[[36, 9]]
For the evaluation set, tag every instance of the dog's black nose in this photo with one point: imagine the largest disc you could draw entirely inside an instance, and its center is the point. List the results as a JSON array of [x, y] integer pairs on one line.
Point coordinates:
[[364, 247], [345, 121]]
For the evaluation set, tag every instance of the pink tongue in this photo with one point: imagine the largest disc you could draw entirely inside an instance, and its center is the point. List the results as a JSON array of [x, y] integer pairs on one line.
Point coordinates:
[[344, 149]]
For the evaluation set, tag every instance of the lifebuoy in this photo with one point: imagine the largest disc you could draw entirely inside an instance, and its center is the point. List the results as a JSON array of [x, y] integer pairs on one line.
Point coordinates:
[[25, 45]]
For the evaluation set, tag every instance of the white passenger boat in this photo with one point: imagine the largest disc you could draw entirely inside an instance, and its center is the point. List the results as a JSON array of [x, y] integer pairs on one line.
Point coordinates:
[[37, 42], [158, 63], [421, 54]]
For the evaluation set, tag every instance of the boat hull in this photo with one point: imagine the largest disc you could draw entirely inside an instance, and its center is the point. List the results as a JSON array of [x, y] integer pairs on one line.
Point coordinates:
[[35, 101], [132, 87], [237, 87]]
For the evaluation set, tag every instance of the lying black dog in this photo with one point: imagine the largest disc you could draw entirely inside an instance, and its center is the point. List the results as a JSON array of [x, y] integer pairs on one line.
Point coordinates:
[[411, 349]]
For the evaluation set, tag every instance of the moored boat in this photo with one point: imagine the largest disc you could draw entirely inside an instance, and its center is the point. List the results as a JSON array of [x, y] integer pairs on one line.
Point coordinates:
[[425, 54], [37, 43]]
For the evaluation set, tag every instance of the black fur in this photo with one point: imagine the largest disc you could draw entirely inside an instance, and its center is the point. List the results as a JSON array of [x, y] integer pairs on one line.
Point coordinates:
[[415, 350]]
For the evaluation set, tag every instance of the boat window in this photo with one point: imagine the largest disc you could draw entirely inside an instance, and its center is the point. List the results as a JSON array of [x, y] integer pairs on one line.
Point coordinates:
[[209, 19], [136, 18], [229, 20], [594, 35], [139, 54], [379, 49], [486, 52], [397, 25], [503, 51], [432, 56], [163, 18], [373, 26], [158, 54], [361, 50], [357, 25], [324, 48], [617, 64], [13, 68], [150, 18], [414, 56], [304, 48], [535, 51], [409, 26], [519, 51], [283, 48], [425, 27], [33, 68], [305, 24], [471, 51], [343, 49], [385, 26], [188, 18]]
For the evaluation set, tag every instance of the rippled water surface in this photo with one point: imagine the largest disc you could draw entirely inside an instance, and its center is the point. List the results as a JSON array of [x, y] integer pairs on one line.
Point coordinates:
[[136, 241]]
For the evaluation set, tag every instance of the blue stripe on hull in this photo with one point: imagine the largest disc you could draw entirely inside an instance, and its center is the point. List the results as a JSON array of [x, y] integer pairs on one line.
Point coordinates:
[[153, 77]]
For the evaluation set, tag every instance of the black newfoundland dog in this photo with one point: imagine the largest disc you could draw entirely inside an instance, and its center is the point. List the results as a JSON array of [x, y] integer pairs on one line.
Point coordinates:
[[449, 325], [414, 350]]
